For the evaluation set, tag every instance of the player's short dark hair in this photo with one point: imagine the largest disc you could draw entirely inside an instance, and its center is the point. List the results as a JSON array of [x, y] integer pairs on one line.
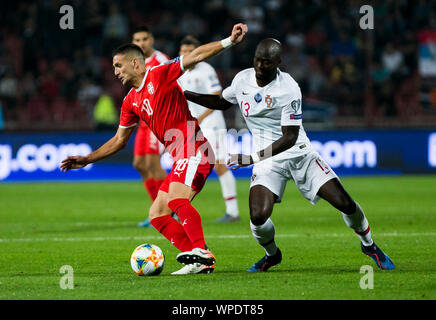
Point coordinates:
[[128, 48], [190, 40], [142, 29]]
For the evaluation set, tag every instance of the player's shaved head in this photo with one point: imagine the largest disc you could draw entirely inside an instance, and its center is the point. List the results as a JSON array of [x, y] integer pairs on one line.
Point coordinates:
[[129, 49], [267, 58], [269, 48]]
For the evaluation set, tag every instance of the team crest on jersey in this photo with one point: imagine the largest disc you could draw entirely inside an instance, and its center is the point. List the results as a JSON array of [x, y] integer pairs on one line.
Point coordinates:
[[150, 88], [268, 101], [253, 177], [258, 97]]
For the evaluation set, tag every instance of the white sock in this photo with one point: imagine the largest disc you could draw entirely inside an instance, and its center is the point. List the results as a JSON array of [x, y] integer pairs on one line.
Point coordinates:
[[228, 189], [358, 222], [264, 234]]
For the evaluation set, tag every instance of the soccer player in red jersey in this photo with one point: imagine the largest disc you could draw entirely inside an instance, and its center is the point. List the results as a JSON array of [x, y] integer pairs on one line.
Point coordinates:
[[146, 152], [157, 99]]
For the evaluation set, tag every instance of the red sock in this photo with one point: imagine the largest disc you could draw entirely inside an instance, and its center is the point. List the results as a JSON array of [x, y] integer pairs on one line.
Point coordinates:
[[190, 220], [158, 183], [173, 231], [150, 186]]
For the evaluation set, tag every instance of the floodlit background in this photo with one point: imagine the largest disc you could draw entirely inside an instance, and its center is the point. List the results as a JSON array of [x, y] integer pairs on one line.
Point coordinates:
[[369, 95]]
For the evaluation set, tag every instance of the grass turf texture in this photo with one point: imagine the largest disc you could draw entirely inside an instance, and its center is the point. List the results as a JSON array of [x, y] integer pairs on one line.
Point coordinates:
[[92, 227]]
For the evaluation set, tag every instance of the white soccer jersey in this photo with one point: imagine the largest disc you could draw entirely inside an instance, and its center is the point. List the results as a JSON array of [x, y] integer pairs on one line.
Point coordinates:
[[201, 79], [266, 109]]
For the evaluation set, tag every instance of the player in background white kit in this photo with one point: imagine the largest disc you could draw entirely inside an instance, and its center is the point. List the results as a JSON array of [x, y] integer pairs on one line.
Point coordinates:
[[202, 78], [270, 101]]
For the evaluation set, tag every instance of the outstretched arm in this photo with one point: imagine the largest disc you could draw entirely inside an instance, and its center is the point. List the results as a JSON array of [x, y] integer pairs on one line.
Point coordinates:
[[211, 101], [288, 139], [112, 146], [211, 49]]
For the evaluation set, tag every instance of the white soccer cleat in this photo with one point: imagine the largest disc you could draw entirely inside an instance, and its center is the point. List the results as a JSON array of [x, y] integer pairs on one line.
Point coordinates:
[[194, 268], [196, 255]]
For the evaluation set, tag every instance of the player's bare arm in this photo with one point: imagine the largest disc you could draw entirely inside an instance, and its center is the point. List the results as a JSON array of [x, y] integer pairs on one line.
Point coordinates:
[[211, 101], [287, 141], [211, 49], [115, 144]]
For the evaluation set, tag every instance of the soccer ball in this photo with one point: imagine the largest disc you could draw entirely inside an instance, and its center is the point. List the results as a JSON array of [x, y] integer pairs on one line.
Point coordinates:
[[147, 260]]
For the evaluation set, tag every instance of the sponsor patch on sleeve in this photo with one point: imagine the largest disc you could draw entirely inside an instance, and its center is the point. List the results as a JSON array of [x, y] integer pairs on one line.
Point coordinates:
[[296, 116]]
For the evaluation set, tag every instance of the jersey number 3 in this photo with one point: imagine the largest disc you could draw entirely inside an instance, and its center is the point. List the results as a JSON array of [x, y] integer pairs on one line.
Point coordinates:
[[244, 108]]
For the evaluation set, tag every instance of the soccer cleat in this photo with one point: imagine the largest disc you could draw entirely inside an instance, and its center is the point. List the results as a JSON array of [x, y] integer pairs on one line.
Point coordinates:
[[194, 268], [145, 224], [266, 262], [227, 218], [380, 258], [196, 255]]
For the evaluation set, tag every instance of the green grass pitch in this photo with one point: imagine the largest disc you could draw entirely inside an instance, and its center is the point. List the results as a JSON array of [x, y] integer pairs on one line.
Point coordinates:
[[92, 228]]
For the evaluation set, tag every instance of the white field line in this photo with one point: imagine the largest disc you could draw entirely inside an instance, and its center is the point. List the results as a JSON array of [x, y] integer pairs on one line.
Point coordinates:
[[228, 236], [78, 224]]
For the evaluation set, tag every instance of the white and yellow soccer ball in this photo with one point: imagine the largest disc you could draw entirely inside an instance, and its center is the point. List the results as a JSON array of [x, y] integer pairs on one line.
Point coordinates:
[[147, 260]]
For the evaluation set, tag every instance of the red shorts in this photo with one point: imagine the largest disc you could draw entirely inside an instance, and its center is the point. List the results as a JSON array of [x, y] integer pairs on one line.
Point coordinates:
[[190, 171], [145, 141]]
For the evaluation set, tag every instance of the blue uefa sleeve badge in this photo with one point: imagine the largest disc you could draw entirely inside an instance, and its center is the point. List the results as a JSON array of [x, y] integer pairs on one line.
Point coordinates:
[[175, 60]]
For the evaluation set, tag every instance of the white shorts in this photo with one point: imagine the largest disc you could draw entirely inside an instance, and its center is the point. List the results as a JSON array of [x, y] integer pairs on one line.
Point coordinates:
[[308, 171], [215, 130]]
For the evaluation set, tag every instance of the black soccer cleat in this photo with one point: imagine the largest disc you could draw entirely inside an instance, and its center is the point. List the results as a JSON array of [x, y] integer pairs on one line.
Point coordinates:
[[266, 262]]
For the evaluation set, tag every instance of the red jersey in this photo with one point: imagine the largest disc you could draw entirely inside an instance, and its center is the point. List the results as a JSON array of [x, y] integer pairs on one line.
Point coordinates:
[[155, 59], [160, 103]]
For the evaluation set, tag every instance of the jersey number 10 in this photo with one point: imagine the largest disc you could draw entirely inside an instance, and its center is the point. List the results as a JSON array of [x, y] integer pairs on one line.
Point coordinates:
[[146, 106]]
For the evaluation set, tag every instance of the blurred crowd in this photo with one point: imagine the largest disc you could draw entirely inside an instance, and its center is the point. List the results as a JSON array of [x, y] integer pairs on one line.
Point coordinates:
[[52, 78]]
